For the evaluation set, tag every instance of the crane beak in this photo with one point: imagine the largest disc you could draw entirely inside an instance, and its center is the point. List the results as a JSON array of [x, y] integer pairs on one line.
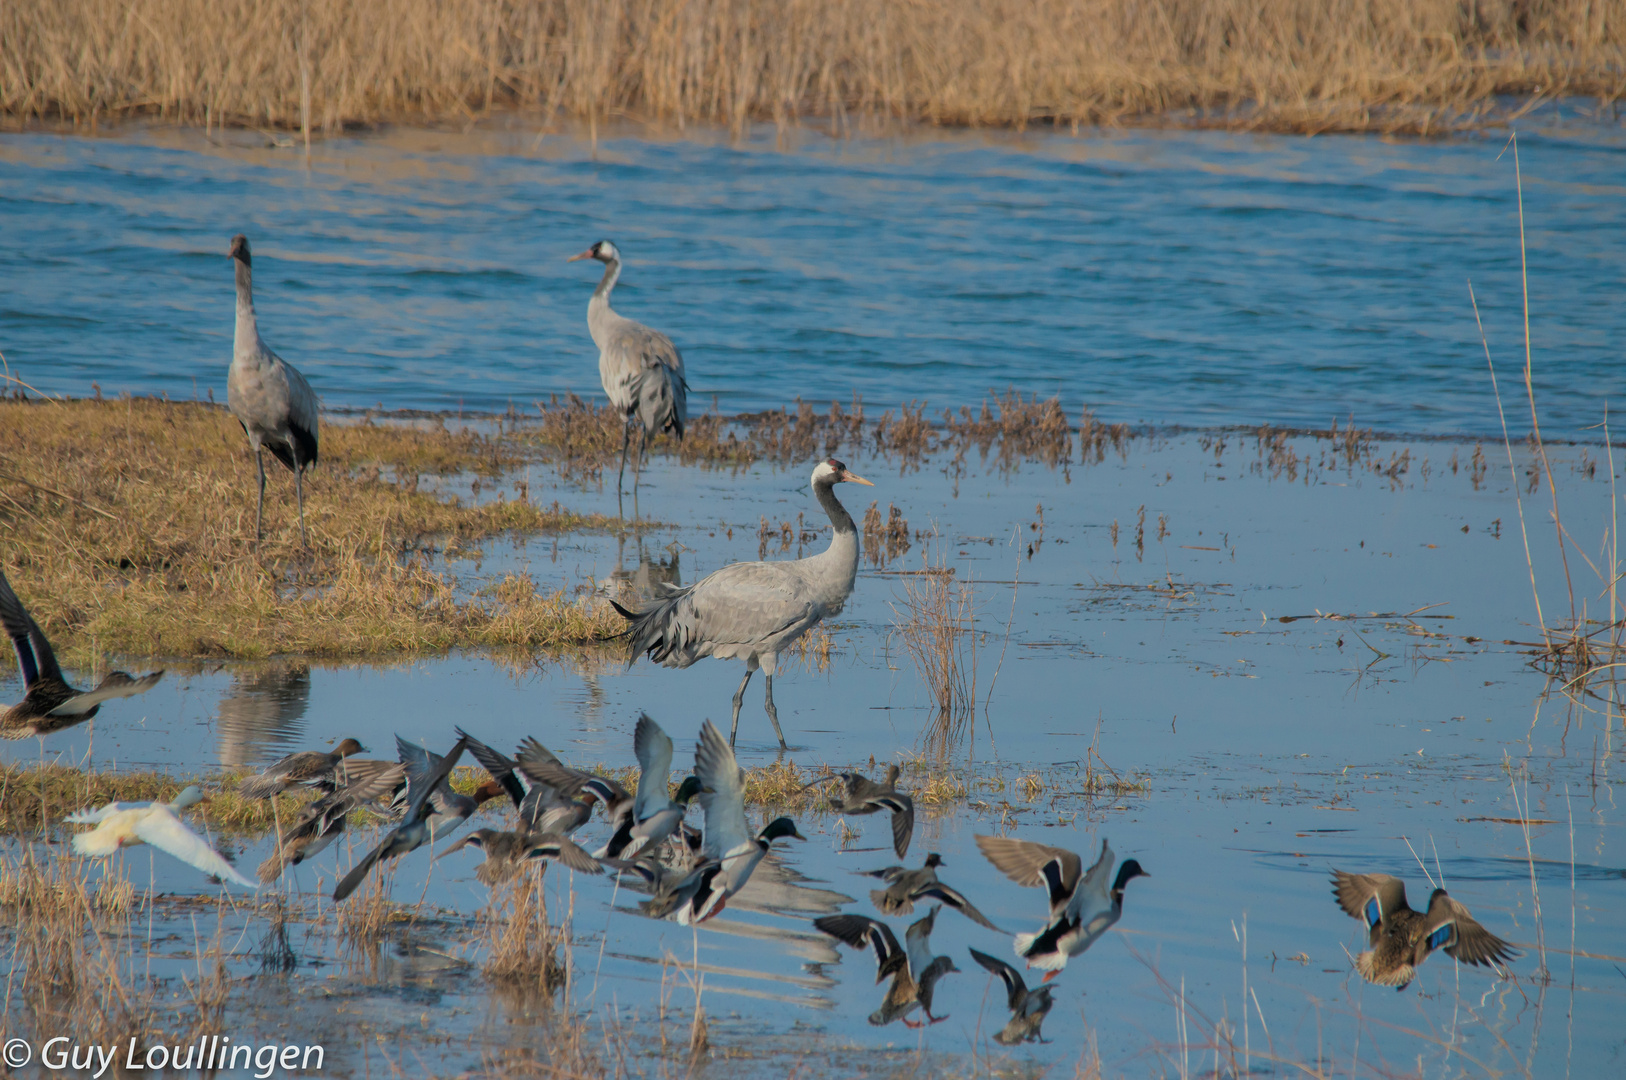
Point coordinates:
[[588, 254], [853, 478]]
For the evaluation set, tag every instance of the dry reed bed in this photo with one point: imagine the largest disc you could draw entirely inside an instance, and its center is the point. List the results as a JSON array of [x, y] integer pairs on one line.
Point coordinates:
[[127, 526], [1309, 65], [74, 967]]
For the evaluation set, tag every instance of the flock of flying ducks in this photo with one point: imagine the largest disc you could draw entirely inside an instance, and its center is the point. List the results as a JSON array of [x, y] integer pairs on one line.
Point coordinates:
[[749, 611]]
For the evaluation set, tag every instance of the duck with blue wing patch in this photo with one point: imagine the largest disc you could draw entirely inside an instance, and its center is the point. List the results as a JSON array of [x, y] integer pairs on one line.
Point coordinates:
[[1401, 938]]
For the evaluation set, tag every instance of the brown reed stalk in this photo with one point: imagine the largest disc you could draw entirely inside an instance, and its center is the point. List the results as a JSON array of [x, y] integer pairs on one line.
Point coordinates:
[[935, 619], [1399, 65], [523, 950]]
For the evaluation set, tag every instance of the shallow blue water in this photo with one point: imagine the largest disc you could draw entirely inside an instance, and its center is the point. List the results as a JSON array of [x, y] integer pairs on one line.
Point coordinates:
[[1166, 277], [1272, 752], [1268, 279]]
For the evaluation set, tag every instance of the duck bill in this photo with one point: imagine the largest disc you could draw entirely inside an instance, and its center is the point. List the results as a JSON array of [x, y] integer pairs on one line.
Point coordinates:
[[459, 846]]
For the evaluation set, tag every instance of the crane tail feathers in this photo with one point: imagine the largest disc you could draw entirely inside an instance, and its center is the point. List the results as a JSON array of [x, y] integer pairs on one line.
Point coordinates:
[[654, 630]]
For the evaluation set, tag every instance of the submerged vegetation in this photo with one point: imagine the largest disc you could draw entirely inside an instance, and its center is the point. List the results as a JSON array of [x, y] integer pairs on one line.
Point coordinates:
[[1280, 64], [127, 525]]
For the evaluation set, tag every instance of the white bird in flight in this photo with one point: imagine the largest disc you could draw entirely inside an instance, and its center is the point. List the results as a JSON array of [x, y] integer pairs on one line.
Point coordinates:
[[120, 825]]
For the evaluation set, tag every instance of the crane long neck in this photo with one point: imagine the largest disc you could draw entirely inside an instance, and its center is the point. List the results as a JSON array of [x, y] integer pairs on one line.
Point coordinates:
[[840, 520], [599, 315], [612, 271], [247, 334]]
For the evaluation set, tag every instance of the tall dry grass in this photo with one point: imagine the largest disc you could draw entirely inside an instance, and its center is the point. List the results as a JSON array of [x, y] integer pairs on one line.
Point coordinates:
[[128, 526], [1293, 64], [935, 620], [72, 970]]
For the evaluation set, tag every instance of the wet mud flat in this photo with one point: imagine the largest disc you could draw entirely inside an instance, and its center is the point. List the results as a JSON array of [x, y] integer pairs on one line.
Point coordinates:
[[1244, 658]]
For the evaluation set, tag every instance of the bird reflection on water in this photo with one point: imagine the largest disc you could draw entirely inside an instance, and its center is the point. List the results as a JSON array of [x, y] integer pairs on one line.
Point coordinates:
[[261, 716], [644, 578], [789, 900]]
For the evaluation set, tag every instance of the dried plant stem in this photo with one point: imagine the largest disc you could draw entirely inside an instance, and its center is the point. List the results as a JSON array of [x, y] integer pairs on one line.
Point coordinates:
[[1518, 500], [1523, 812], [1529, 387]]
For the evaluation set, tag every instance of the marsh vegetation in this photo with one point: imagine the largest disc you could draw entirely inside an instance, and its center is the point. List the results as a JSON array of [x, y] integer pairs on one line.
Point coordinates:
[[1280, 65], [129, 529]]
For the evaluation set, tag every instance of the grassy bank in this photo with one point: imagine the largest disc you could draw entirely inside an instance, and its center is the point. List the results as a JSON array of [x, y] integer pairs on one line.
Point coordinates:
[[128, 527], [1309, 65], [29, 790]]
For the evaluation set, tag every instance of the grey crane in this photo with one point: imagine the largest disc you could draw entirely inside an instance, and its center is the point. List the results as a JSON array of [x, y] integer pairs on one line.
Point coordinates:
[[641, 369], [268, 395], [753, 611]]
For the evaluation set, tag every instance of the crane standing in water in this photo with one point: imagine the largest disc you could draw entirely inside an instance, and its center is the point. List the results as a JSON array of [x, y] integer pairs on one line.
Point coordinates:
[[753, 611], [268, 395], [641, 369]]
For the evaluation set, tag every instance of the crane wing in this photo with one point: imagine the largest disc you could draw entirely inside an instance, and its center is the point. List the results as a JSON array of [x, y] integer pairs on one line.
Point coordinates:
[[302, 410], [749, 603]]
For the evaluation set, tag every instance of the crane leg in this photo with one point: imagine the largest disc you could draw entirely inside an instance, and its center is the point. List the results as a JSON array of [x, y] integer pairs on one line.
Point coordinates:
[[739, 699], [620, 477], [638, 465], [773, 713], [299, 491], [259, 506]]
